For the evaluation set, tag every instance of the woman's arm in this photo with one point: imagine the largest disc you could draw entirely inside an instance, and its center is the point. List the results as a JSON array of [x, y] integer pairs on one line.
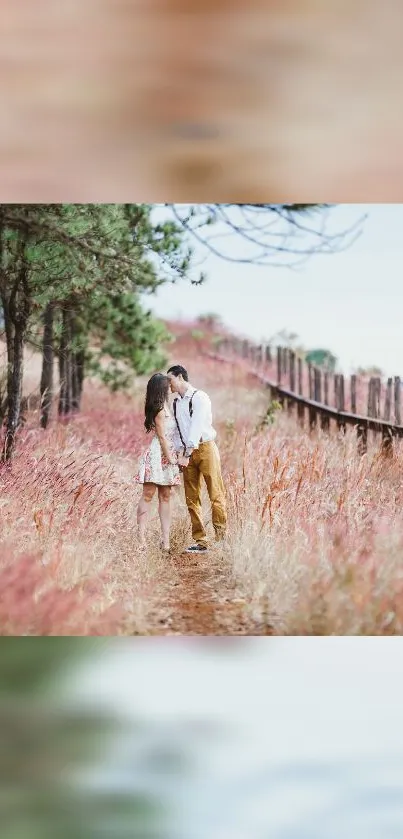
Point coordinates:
[[160, 430]]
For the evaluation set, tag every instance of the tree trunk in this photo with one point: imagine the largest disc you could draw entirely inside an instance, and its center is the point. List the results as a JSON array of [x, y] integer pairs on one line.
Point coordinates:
[[9, 327], [6, 383], [62, 367], [69, 365], [6, 317], [78, 360], [47, 366], [79, 378], [15, 391], [66, 365], [16, 307]]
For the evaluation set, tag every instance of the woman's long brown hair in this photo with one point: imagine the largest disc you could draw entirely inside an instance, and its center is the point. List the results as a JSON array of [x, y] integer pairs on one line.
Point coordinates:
[[156, 397]]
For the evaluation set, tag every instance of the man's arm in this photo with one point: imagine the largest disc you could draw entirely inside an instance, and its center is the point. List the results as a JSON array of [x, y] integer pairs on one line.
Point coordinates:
[[200, 404]]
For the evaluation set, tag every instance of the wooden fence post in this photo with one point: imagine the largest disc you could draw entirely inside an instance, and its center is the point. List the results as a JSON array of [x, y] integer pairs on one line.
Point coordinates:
[[285, 360], [311, 384], [310, 380], [291, 379], [318, 393], [377, 396], [388, 401], [325, 421], [371, 397], [374, 397], [353, 393], [317, 385], [398, 418], [279, 365], [336, 390], [292, 372], [300, 409], [326, 387], [268, 354], [300, 377], [362, 427], [340, 404], [387, 434]]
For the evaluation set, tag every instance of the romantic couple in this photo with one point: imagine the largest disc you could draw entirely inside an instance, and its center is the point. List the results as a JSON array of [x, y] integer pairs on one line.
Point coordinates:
[[182, 442]]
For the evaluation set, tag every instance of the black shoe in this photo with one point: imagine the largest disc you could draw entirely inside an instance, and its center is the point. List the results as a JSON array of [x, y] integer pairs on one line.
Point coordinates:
[[196, 549]]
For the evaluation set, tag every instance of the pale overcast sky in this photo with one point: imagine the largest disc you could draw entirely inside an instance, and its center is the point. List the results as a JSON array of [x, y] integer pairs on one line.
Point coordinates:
[[349, 302]]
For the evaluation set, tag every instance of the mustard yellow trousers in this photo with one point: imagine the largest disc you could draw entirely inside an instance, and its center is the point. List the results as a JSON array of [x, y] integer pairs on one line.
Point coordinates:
[[205, 463]]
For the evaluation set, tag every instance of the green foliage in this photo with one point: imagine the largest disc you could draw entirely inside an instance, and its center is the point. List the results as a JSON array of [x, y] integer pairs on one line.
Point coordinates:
[[197, 334], [270, 415], [217, 340], [97, 261], [230, 429], [127, 339], [27, 667], [321, 358]]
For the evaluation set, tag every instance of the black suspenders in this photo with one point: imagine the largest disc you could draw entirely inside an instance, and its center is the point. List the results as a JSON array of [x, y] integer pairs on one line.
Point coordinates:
[[176, 418], [191, 403], [177, 425]]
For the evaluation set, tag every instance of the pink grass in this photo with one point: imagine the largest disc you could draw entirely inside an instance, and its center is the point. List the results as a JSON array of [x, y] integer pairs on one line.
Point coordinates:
[[315, 532]]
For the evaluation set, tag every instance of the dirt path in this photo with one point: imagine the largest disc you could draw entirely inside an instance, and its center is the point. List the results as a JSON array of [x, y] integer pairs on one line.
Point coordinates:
[[196, 594], [200, 600]]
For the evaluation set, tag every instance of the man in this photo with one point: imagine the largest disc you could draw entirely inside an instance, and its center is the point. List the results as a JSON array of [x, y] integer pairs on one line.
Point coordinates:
[[199, 456]]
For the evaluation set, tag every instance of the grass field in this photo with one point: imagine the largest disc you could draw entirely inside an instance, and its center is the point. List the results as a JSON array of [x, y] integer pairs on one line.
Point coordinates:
[[315, 540]]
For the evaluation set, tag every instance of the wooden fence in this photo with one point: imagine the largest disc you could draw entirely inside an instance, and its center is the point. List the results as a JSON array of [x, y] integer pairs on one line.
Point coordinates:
[[366, 403]]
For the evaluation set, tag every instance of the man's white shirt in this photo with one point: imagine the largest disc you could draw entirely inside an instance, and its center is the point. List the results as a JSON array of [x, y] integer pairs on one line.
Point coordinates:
[[198, 427]]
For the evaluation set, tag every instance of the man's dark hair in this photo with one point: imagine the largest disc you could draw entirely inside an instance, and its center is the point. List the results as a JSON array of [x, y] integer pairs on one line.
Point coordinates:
[[178, 370]]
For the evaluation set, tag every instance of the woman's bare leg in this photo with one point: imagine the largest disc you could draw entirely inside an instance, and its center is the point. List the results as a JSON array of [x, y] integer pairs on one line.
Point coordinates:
[[164, 509], [143, 511]]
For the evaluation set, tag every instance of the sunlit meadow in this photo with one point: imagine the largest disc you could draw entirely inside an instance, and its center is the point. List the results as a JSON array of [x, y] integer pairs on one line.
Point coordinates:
[[315, 540]]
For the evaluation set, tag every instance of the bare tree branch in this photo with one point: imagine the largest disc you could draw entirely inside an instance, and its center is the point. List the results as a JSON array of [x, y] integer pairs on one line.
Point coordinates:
[[280, 235]]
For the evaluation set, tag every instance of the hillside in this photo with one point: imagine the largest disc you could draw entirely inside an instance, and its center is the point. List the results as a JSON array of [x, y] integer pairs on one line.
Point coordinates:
[[315, 532]]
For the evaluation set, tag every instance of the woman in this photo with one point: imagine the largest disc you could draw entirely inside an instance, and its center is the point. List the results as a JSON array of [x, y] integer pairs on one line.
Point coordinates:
[[158, 468]]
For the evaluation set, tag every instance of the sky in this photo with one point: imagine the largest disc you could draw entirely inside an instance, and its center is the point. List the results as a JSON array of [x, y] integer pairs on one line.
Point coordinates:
[[350, 302]]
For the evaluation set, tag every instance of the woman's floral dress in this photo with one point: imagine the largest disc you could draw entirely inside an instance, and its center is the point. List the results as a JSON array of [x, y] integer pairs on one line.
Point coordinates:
[[154, 468]]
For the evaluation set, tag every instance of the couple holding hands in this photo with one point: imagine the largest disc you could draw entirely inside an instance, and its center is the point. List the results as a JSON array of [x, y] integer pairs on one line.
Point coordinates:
[[183, 441]]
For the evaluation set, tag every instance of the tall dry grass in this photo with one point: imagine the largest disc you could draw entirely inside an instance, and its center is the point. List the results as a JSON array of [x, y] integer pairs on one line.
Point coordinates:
[[67, 522], [316, 532], [315, 537], [315, 540]]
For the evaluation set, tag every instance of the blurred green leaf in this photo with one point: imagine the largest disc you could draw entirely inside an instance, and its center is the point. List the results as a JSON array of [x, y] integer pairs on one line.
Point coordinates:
[[51, 754], [28, 665]]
